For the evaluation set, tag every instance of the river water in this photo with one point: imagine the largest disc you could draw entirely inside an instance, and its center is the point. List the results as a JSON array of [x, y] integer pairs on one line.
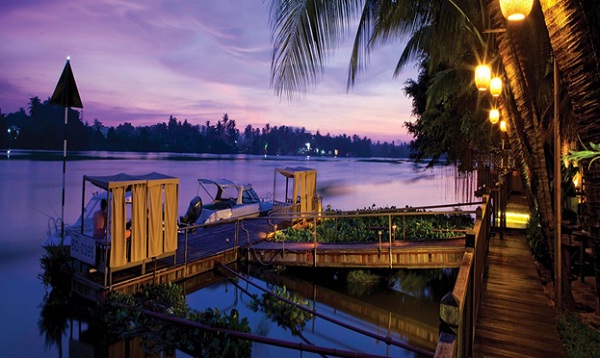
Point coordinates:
[[31, 194]]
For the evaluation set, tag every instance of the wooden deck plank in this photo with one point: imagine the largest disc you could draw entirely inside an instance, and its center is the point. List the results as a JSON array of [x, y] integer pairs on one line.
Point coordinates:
[[514, 319]]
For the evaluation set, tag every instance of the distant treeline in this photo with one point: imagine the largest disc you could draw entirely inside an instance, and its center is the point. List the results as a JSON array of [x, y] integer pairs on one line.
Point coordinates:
[[43, 128]]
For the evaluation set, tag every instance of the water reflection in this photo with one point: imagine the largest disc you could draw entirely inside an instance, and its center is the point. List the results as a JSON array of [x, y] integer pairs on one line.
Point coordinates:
[[54, 319], [404, 317], [32, 193], [406, 311]]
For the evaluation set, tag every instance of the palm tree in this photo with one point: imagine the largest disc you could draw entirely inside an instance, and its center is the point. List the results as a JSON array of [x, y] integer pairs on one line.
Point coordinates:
[[450, 34], [575, 38]]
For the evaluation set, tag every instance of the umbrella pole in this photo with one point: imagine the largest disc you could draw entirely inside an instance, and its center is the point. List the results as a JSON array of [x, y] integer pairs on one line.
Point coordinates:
[[62, 215]]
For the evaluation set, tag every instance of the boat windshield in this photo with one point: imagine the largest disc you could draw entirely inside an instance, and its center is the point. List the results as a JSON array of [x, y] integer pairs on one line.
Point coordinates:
[[250, 196]]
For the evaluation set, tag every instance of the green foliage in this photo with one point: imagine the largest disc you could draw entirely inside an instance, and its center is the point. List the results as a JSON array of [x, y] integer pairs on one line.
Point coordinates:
[[56, 267], [537, 244], [285, 314], [591, 154], [361, 282], [446, 129], [369, 228], [580, 340], [216, 344], [122, 314], [414, 282]]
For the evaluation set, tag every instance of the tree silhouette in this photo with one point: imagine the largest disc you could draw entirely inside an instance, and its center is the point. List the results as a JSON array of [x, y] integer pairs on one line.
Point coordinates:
[[42, 128]]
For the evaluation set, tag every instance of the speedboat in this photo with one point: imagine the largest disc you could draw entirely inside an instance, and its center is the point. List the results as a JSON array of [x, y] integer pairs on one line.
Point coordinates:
[[224, 200], [54, 232]]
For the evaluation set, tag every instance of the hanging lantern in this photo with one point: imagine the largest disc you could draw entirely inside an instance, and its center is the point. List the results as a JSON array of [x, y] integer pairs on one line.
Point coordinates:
[[503, 126], [494, 115], [496, 86], [483, 73], [515, 10]]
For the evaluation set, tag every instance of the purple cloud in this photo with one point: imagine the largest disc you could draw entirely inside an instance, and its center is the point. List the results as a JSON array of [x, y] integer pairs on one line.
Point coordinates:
[[143, 61]]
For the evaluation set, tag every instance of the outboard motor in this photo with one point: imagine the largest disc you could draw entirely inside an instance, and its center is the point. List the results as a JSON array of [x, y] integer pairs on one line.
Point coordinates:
[[193, 212]]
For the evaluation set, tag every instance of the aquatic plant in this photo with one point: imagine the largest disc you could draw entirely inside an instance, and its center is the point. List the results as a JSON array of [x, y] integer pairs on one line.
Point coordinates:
[[336, 228], [361, 282], [123, 315], [56, 268], [285, 314]]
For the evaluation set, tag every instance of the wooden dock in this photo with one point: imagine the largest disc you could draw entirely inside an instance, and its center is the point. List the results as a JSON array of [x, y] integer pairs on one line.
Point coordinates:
[[444, 253], [198, 251], [514, 318]]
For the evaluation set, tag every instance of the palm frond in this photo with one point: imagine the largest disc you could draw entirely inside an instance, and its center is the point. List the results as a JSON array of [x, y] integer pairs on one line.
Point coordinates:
[[306, 32]]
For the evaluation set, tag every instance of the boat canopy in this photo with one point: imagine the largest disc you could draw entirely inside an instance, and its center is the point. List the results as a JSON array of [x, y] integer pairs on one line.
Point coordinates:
[[153, 215], [224, 183]]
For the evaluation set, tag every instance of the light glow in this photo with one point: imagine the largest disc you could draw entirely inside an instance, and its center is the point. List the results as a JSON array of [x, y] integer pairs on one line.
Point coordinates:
[[496, 86], [494, 115], [503, 126], [483, 74], [515, 10]]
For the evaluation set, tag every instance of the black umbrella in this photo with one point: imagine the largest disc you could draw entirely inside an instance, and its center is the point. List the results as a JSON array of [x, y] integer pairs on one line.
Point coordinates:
[[66, 95]]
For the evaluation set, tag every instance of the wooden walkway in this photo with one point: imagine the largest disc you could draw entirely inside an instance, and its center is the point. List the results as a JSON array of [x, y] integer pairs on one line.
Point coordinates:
[[514, 318], [444, 253]]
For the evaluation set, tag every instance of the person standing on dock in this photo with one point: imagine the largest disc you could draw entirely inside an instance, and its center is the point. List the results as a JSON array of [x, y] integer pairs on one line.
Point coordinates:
[[100, 221]]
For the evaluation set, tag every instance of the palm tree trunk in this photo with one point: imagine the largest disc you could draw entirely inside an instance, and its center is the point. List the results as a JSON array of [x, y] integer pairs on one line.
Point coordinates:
[[525, 120], [575, 39]]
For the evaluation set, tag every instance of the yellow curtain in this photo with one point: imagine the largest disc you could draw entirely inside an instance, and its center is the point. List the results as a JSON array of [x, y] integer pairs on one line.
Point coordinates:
[[311, 184], [138, 223], [118, 248], [170, 217], [295, 191], [303, 198], [155, 235]]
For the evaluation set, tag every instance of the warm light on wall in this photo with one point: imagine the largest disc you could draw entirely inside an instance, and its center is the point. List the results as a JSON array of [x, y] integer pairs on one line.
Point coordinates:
[[503, 126], [494, 115], [515, 10], [495, 86], [483, 74], [576, 180]]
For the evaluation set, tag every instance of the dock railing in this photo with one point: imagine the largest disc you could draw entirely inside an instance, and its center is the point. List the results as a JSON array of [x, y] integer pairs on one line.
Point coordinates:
[[394, 223], [459, 308]]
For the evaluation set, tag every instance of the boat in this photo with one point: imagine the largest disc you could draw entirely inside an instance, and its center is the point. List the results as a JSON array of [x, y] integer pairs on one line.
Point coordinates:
[[54, 233], [225, 200]]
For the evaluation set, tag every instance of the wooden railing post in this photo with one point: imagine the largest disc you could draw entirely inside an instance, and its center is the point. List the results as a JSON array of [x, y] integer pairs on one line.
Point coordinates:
[[449, 325], [390, 236]]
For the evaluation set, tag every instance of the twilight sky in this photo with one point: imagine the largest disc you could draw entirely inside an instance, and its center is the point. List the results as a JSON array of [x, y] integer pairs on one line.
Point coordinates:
[[142, 61]]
